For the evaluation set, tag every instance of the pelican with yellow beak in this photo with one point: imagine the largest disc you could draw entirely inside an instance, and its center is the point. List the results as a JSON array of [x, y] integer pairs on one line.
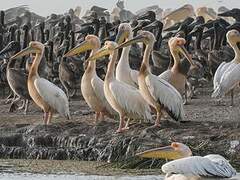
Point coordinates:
[[123, 71], [123, 98], [187, 167], [45, 94], [176, 76], [91, 84], [157, 92]]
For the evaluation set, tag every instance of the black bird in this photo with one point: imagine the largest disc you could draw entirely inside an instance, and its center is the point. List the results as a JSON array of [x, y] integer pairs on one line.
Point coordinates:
[[17, 78]]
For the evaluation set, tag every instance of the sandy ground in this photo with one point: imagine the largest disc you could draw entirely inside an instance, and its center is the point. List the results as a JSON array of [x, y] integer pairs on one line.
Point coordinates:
[[201, 108]]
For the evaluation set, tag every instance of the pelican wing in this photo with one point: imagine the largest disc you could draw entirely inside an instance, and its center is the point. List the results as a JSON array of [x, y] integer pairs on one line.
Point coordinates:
[[230, 77], [18, 82], [211, 165], [53, 95], [130, 99], [218, 74], [167, 95], [166, 75], [97, 85]]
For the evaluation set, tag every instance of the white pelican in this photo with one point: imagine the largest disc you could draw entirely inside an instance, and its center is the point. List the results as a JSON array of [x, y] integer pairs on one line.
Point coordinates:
[[45, 94], [187, 167], [123, 71], [227, 75], [125, 99], [157, 92], [175, 75], [91, 84]]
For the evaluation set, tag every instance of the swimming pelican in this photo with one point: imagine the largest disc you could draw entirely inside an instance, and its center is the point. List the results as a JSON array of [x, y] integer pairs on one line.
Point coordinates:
[[91, 84], [157, 92], [123, 71], [176, 76], [125, 99], [185, 166], [45, 94], [227, 75]]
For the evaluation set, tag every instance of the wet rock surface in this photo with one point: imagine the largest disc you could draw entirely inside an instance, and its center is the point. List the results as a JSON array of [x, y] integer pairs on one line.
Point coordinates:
[[83, 141]]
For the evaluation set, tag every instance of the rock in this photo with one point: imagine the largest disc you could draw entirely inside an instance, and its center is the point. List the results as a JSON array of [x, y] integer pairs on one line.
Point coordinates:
[[81, 141]]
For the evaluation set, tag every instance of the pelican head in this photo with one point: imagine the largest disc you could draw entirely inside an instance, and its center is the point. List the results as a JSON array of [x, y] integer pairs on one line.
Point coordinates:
[[176, 46], [174, 151], [233, 36], [34, 47], [124, 31], [108, 48], [144, 36], [91, 42]]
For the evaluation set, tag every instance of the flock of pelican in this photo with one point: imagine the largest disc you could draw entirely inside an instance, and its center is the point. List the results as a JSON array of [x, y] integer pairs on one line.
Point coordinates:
[[48, 59]]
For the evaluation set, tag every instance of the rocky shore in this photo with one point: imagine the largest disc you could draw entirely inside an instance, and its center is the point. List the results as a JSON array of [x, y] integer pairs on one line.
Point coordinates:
[[209, 129], [85, 142]]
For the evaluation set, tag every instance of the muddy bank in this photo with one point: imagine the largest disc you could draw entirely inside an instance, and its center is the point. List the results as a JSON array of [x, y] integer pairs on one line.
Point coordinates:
[[86, 142]]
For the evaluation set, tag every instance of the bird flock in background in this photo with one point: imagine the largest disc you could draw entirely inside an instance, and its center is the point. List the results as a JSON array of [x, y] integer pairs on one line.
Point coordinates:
[[141, 68]]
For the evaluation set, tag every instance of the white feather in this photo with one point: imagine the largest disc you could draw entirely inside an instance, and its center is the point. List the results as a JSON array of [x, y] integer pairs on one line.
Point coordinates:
[[218, 74], [229, 79], [130, 99], [166, 75], [53, 95], [166, 94], [97, 85], [210, 165], [124, 72]]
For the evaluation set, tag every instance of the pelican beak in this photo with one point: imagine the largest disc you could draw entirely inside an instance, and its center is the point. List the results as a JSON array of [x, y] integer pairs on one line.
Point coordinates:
[[100, 53], [121, 36], [186, 54], [25, 52], [82, 47], [167, 152], [137, 39]]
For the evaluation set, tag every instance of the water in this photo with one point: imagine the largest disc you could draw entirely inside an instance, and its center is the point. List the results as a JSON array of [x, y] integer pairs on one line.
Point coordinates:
[[29, 176]]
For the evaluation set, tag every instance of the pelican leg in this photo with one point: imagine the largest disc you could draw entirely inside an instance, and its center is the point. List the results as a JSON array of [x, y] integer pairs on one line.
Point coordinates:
[[127, 124], [185, 101], [101, 116], [49, 117], [13, 104], [45, 118], [121, 127], [22, 106], [9, 97], [97, 114], [26, 106], [232, 95], [157, 122]]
